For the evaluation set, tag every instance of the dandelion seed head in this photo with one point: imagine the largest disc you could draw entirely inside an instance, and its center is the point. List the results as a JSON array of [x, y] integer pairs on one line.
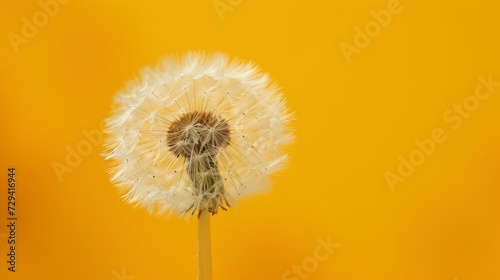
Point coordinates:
[[196, 134]]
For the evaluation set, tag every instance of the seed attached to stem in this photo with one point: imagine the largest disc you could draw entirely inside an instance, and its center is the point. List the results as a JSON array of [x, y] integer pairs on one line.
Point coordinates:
[[198, 137]]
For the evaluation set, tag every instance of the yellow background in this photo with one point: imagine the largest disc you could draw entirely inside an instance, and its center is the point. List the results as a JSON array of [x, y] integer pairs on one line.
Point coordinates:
[[353, 122]]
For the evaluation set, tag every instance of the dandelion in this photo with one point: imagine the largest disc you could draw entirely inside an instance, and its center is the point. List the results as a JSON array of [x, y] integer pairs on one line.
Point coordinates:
[[195, 135]]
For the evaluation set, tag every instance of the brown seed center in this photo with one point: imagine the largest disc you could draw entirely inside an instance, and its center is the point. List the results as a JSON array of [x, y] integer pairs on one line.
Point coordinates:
[[197, 133]]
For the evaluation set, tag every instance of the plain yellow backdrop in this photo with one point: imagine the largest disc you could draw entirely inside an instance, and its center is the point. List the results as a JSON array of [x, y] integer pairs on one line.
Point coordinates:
[[356, 115]]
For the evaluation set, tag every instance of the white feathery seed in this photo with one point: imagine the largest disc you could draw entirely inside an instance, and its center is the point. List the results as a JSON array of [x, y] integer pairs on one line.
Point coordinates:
[[196, 134]]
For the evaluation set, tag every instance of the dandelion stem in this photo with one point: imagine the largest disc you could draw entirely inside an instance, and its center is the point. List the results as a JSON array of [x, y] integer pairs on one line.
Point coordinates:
[[205, 251]]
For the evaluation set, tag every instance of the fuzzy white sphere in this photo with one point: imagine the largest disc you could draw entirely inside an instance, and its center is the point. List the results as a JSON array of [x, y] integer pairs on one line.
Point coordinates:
[[196, 134]]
